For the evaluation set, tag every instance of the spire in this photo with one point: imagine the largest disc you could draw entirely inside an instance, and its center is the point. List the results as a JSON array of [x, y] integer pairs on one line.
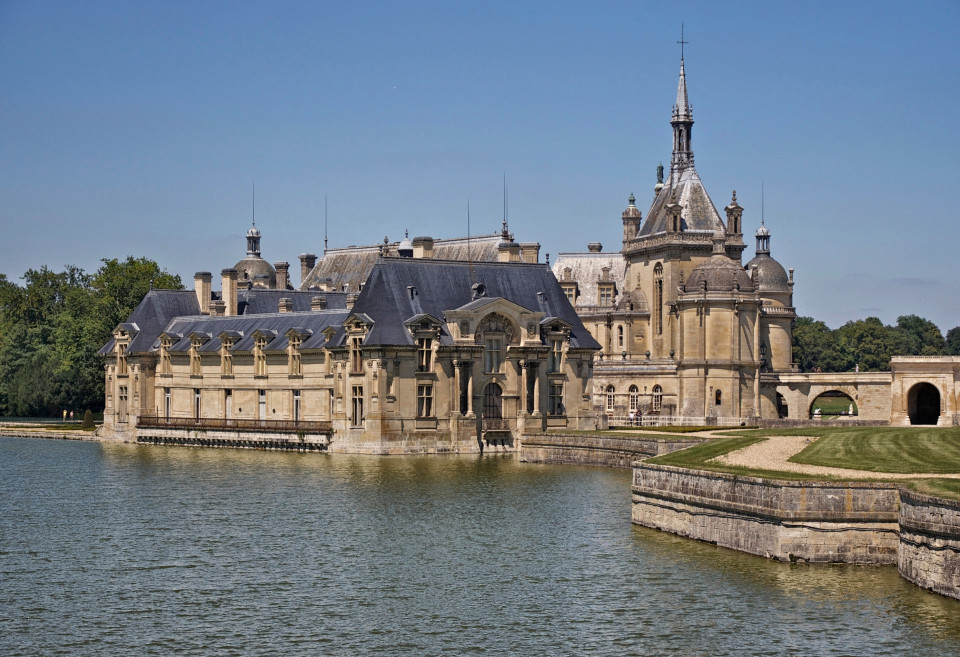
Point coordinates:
[[682, 122], [253, 235], [763, 239]]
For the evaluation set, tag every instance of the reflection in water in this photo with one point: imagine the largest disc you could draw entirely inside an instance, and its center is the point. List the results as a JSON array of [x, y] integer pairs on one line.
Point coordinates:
[[165, 550]]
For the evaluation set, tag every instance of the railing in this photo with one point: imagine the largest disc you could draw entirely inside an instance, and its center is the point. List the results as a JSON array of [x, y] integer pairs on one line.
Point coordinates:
[[495, 424], [651, 420], [273, 426]]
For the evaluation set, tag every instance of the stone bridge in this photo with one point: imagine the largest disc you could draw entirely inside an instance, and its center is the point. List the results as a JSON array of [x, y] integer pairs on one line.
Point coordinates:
[[917, 390]]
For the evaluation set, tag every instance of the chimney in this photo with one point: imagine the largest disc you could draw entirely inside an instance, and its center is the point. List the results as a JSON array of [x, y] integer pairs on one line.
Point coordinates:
[[283, 274], [594, 247], [530, 252], [422, 247], [229, 293], [318, 303], [285, 305], [307, 263], [351, 299], [217, 308], [201, 285]]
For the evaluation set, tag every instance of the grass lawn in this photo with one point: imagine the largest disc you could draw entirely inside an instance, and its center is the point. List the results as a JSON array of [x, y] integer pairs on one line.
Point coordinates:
[[657, 433]]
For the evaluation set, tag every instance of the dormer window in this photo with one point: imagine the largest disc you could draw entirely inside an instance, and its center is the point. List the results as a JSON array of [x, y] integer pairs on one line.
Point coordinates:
[[424, 354], [293, 355], [605, 293], [555, 362], [165, 343], [492, 352], [356, 354], [570, 290], [259, 357], [195, 367], [226, 358], [121, 358]]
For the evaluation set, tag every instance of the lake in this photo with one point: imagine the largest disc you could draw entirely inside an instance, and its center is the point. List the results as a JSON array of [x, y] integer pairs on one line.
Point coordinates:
[[147, 550]]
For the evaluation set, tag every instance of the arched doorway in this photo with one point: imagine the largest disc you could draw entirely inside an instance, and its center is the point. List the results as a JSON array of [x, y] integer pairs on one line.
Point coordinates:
[[492, 402], [923, 404], [833, 404]]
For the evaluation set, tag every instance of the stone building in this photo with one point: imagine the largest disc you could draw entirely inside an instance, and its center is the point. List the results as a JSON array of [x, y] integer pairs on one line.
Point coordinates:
[[430, 356], [685, 328]]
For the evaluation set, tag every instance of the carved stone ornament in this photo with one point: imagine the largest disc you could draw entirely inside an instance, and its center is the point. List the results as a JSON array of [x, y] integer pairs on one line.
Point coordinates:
[[496, 323]]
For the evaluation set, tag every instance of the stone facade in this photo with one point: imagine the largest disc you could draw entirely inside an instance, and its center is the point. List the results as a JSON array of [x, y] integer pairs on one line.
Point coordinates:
[[432, 356], [929, 554]]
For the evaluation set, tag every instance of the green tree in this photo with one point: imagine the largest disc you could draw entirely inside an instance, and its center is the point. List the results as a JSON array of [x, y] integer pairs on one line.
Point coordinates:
[[953, 341], [814, 345], [920, 336]]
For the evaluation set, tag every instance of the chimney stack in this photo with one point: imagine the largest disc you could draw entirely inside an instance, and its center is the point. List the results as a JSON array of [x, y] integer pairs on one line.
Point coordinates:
[[530, 252], [283, 274], [422, 247], [318, 303], [307, 263], [201, 285], [285, 305], [229, 292]]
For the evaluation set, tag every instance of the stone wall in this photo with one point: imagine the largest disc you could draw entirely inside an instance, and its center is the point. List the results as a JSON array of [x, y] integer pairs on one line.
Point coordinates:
[[835, 522], [929, 553], [611, 451]]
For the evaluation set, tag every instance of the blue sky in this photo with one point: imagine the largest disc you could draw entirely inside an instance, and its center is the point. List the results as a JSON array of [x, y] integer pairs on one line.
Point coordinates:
[[134, 128]]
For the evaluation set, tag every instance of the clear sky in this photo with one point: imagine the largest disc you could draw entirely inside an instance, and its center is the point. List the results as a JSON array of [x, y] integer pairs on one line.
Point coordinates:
[[138, 128]]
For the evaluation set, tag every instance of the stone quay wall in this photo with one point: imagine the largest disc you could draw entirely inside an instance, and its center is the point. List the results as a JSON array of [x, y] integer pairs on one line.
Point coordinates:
[[232, 438], [929, 554], [610, 451], [821, 522]]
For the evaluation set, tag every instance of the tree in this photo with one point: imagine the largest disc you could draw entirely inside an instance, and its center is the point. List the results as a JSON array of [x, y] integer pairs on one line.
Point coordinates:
[[953, 341], [814, 346], [922, 337]]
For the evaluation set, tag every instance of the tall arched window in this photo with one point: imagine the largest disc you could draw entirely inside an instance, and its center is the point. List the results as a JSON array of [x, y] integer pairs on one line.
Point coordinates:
[[657, 399], [611, 398], [634, 399], [620, 337], [658, 299]]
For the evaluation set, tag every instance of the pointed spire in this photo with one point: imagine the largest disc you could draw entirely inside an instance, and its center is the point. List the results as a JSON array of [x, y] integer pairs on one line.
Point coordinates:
[[682, 109], [682, 122]]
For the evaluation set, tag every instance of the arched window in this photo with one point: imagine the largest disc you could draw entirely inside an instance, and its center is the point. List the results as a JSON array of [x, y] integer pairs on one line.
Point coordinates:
[[658, 299], [620, 337], [657, 399], [634, 399], [611, 398], [492, 401]]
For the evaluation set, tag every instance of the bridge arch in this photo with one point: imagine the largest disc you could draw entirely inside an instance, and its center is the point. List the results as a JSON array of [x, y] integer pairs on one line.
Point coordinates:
[[833, 403], [923, 403]]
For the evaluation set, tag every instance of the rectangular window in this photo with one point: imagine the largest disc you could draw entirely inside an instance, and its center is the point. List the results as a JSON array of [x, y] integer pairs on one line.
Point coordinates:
[[356, 355], [571, 292], [293, 352], [424, 354], [121, 359], [195, 361], [606, 295], [296, 405], [356, 414], [555, 400], [425, 400], [122, 404], [196, 403], [493, 354], [556, 356], [226, 359], [228, 404], [166, 403], [164, 356], [262, 405], [259, 358]]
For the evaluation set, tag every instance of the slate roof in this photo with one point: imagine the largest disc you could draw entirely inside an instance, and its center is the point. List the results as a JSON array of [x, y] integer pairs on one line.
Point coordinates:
[[699, 213], [444, 285], [246, 325], [348, 267], [259, 301], [587, 268], [153, 314]]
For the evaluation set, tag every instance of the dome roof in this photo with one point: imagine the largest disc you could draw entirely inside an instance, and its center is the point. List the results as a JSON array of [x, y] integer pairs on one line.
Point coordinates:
[[771, 276], [405, 248], [253, 232], [631, 212], [719, 272], [256, 270]]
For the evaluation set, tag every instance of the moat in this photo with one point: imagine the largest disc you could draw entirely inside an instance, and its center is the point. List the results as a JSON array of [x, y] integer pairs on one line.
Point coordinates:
[[138, 549]]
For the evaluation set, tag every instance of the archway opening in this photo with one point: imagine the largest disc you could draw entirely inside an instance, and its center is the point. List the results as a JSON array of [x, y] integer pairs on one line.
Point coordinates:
[[492, 402], [832, 405], [923, 404]]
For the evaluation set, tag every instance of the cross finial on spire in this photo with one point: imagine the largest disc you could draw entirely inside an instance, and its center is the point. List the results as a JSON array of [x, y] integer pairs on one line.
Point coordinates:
[[682, 41]]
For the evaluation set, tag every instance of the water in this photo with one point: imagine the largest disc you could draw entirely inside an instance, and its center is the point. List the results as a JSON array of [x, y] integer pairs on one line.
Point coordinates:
[[124, 549]]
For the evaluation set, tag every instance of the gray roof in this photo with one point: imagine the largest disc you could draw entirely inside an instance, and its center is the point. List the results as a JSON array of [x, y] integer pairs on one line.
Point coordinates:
[[259, 301], [443, 285], [698, 214], [771, 276], [347, 268], [275, 324], [153, 314], [586, 269]]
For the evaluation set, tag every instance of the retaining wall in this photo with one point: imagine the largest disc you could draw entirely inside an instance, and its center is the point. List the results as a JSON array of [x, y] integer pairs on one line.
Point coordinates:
[[611, 451], [835, 522], [929, 554]]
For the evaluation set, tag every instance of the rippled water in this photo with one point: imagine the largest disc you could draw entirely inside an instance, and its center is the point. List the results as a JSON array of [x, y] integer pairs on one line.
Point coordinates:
[[143, 550]]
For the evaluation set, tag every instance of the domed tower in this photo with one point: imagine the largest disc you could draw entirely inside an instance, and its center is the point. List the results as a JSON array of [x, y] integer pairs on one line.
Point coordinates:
[[631, 219], [254, 270], [775, 287], [718, 310]]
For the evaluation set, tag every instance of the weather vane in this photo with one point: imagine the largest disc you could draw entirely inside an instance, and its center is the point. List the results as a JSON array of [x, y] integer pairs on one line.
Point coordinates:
[[682, 41]]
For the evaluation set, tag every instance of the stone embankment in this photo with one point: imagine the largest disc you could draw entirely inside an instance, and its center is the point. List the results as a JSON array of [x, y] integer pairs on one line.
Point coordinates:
[[14, 430], [611, 451], [814, 521]]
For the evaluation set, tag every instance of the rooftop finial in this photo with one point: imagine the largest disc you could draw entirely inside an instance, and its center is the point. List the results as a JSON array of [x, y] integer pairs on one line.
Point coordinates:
[[682, 43], [254, 204], [325, 223]]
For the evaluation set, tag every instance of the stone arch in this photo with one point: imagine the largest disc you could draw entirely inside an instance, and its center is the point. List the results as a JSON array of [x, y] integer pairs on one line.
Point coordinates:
[[923, 403], [832, 403], [492, 401]]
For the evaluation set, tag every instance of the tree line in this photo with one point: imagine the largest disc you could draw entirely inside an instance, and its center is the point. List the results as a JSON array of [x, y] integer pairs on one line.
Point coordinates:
[[868, 344], [52, 326]]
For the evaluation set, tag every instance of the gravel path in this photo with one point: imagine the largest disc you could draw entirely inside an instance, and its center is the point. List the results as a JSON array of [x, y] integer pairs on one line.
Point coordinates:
[[772, 454]]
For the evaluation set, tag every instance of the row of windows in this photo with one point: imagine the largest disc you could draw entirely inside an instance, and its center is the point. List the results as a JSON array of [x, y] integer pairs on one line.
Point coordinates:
[[656, 399]]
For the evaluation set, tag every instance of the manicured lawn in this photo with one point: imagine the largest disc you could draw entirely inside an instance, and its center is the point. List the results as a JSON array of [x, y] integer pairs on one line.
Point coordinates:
[[932, 450]]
